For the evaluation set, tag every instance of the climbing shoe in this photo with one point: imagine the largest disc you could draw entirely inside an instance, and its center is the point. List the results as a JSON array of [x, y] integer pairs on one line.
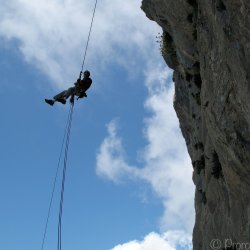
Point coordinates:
[[61, 100], [49, 101]]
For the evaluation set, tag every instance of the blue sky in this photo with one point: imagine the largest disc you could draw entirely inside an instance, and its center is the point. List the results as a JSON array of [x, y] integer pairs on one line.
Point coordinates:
[[129, 181]]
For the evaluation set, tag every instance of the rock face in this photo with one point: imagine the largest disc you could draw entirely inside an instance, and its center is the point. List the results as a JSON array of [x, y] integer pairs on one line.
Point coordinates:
[[207, 44]]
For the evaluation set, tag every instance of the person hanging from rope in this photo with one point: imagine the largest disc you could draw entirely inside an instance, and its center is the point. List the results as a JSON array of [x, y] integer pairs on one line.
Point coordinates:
[[80, 88]]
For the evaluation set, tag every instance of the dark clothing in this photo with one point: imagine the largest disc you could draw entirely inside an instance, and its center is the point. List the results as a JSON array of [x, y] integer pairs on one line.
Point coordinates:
[[81, 86]]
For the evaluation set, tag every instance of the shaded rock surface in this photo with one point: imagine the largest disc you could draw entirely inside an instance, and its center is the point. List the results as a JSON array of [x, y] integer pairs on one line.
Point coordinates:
[[207, 44]]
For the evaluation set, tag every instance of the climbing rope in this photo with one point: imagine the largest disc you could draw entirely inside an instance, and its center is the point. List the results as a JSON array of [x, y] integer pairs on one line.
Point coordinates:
[[59, 232], [90, 29], [67, 135], [55, 180]]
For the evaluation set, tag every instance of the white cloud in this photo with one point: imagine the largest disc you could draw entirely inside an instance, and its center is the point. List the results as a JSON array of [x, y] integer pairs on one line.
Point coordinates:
[[110, 159], [167, 167], [168, 241], [52, 34]]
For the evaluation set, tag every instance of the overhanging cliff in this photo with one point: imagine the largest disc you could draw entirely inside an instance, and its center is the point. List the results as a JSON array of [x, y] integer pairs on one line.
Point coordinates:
[[207, 44]]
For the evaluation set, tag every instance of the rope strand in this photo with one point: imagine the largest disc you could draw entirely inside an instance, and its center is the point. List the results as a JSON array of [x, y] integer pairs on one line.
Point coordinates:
[[54, 182], [90, 29], [68, 129], [59, 239]]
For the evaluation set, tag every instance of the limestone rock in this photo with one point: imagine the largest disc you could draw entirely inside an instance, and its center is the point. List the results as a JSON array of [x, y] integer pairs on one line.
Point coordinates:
[[207, 43]]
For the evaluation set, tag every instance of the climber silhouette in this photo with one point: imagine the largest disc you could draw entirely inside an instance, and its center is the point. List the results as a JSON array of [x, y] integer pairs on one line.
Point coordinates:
[[80, 88]]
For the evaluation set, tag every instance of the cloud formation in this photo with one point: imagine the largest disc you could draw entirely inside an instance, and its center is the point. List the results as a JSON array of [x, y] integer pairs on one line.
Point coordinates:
[[168, 241], [52, 34], [167, 167], [110, 159]]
